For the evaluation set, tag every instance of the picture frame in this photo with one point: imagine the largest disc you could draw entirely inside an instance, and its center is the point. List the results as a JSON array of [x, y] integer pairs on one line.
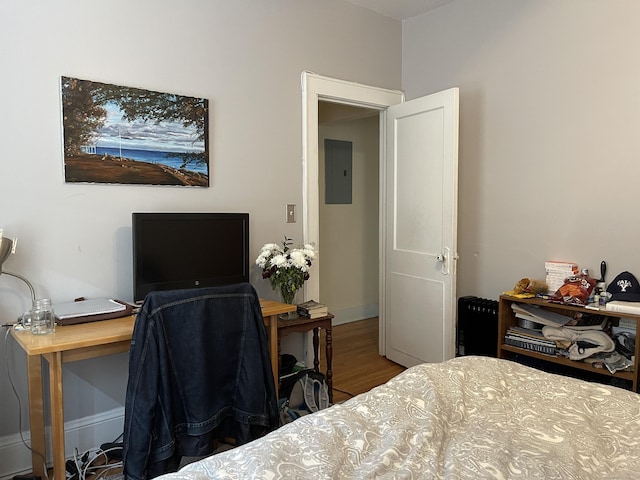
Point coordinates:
[[125, 135]]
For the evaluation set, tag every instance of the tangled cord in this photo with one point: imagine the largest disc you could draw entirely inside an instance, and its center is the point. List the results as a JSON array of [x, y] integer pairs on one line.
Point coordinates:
[[83, 467]]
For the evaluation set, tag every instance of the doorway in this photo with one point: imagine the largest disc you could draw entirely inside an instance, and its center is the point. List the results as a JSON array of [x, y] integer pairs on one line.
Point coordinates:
[[349, 174], [318, 89], [417, 211]]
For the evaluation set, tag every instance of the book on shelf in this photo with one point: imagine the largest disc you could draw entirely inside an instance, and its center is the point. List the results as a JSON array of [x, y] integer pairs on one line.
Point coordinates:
[[623, 307], [530, 339], [312, 309], [312, 315], [527, 332], [561, 266], [539, 347]]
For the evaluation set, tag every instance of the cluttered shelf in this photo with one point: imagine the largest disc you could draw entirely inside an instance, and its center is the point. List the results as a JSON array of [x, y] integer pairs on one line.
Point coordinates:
[[517, 341], [626, 375]]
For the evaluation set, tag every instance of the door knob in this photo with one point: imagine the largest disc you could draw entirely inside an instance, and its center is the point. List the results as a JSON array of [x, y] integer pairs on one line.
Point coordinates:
[[444, 258]]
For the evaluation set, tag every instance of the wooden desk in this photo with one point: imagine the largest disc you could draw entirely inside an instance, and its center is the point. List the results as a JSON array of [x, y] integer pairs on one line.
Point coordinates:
[[80, 342], [303, 325]]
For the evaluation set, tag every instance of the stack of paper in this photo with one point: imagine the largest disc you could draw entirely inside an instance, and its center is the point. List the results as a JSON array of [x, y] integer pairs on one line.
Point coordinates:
[[625, 325], [557, 272]]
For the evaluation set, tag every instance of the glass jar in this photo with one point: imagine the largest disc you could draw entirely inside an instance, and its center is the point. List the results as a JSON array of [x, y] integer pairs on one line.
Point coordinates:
[[42, 317]]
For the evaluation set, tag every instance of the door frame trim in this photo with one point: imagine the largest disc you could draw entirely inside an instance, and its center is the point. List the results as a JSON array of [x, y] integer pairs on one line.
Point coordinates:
[[317, 88]]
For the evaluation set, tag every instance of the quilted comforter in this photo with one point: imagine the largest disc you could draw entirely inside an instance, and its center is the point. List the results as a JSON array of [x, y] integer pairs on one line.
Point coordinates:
[[468, 418]]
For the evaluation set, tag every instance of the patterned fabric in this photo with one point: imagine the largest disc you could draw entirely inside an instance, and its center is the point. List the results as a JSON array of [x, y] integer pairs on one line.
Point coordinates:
[[468, 418]]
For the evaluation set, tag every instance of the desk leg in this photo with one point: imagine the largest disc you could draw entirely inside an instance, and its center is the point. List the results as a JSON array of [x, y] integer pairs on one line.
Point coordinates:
[[279, 364], [36, 414], [274, 349], [329, 353], [57, 414], [316, 344]]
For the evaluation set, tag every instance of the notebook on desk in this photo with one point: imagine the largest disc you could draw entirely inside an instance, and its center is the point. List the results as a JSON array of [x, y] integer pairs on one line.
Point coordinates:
[[83, 311]]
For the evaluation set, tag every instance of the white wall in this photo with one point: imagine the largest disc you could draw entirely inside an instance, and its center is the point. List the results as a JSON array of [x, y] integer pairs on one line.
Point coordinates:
[[245, 56], [549, 121], [349, 232]]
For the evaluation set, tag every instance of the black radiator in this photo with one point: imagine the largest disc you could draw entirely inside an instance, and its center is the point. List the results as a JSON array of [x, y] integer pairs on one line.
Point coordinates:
[[477, 326]]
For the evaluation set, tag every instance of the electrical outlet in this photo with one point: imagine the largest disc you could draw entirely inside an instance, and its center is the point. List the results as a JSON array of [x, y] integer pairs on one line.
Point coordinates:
[[291, 213]]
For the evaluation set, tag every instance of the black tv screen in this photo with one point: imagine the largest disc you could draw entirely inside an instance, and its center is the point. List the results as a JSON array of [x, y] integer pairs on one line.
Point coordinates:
[[188, 250]]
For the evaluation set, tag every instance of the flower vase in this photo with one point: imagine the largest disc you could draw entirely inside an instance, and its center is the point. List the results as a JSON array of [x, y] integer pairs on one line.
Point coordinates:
[[288, 295]]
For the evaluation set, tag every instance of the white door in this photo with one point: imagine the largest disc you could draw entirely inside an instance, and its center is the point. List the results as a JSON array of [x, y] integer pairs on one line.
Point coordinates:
[[420, 229]]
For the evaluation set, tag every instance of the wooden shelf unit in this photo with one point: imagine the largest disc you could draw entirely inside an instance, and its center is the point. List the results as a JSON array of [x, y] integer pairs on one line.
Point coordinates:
[[507, 318]]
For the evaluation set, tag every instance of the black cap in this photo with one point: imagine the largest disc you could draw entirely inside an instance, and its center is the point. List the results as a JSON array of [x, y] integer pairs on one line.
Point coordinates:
[[625, 287]]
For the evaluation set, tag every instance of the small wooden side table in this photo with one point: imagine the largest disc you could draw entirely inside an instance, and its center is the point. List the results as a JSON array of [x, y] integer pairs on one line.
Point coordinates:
[[303, 325]]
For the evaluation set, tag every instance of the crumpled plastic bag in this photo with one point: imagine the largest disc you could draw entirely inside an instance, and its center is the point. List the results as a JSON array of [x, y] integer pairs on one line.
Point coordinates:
[[575, 290]]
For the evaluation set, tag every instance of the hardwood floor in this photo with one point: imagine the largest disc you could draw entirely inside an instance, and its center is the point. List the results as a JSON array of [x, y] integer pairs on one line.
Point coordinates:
[[357, 366]]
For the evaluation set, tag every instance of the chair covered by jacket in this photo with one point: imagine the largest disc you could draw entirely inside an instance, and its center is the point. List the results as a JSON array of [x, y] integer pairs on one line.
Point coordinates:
[[199, 370]]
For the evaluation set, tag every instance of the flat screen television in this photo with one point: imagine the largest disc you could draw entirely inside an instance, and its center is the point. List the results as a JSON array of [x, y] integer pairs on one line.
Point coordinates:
[[188, 250]]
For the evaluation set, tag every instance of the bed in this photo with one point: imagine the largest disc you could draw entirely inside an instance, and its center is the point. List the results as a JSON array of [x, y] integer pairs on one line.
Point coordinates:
[[467, 418]]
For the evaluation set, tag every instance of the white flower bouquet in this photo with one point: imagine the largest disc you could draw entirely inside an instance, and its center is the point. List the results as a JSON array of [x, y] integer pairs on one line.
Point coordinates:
[[286, 268]]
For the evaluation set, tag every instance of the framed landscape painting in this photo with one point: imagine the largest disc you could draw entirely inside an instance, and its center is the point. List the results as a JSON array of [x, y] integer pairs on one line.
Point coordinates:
[[125, 135]]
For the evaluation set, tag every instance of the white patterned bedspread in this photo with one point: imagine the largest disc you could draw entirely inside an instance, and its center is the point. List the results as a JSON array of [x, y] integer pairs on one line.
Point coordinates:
[[468, 418]]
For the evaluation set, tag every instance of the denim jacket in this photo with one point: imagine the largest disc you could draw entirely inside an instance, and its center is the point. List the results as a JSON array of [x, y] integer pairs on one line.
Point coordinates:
[[199, 370]]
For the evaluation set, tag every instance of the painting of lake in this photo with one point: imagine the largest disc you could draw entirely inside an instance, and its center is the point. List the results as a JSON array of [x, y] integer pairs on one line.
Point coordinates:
[[150, 156], [115, 134]]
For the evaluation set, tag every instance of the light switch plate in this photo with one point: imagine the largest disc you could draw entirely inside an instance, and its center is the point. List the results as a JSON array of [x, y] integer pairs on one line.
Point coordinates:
[[291, 213]]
